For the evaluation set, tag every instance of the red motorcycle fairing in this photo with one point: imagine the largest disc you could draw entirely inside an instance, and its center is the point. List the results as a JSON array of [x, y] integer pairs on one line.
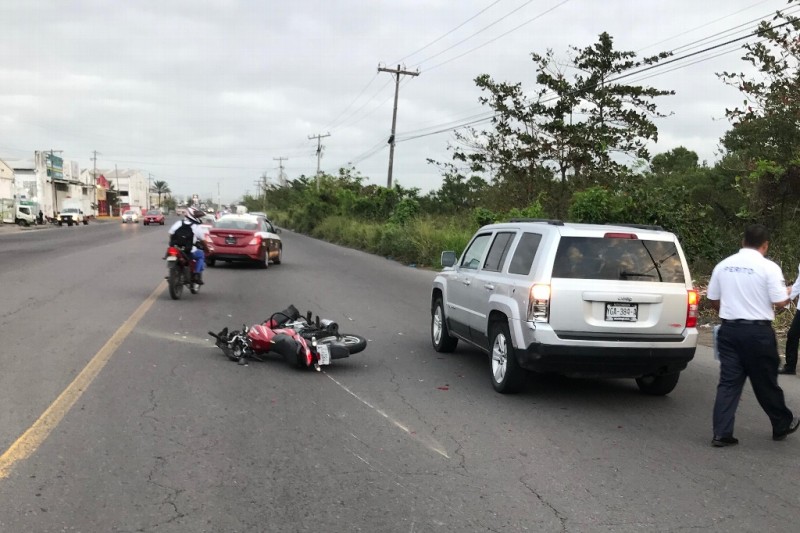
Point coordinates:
[[264, 339]]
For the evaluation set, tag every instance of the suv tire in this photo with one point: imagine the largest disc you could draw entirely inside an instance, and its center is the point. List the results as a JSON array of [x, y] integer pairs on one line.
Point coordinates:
[[658, 385], [440, 334], [507, 376]]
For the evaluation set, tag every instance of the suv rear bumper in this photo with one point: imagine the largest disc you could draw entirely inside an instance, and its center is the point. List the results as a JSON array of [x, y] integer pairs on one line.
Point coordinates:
[[606, 361]]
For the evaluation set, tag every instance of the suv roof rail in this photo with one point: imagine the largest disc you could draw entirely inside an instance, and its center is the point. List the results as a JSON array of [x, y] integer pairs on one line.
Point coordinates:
[[552, 221], [653, 227]]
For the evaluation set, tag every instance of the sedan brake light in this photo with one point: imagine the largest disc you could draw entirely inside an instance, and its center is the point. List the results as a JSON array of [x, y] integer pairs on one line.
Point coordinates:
[[255, 241]]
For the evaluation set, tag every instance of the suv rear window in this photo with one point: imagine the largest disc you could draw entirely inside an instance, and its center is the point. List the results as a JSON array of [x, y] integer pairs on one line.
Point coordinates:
[[618, 259]]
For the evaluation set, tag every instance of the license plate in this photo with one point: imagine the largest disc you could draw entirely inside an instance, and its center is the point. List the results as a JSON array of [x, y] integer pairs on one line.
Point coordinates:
[[618, 312], [172, 258], [324, 354], [230, 240]]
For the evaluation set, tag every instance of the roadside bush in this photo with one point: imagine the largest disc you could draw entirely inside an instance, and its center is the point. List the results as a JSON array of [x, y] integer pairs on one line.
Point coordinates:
[[405, 211], [482, 216], [595, 206], [534, 210]]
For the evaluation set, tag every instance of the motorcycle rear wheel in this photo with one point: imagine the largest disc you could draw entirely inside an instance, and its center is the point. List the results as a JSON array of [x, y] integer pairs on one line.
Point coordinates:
[[175, 282], [354, 343]]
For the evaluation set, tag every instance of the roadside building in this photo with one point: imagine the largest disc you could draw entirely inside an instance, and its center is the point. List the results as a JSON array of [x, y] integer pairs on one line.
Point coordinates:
[[132, 185], [6, 191], [48, 181]]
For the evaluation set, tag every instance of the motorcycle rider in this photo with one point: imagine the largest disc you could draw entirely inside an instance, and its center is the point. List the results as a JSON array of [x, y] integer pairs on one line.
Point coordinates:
[[189, 236]]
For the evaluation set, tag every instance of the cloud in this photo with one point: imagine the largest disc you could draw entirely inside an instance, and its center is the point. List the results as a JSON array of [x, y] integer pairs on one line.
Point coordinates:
[[208, 91]]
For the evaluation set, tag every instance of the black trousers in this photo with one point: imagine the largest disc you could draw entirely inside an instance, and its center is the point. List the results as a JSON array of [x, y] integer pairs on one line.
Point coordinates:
[[748, 351], [792, 341]]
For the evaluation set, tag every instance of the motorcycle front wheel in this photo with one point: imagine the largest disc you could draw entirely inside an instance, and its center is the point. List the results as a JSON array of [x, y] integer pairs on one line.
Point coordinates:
[[175, 282]]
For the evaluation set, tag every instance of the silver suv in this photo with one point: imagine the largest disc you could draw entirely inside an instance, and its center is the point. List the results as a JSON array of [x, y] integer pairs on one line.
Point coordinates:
[[575, 299]]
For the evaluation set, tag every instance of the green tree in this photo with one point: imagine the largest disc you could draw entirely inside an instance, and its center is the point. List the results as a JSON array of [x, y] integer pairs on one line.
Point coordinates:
[[564, 136], [765, 137], [676, 161], [160, 188]]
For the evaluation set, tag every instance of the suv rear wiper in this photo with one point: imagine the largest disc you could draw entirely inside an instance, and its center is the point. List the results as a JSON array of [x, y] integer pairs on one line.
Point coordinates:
[[626, 274]]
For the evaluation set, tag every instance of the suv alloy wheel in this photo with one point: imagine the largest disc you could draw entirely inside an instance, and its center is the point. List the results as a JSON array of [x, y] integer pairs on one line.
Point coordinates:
[[507, 376], [440, 335]]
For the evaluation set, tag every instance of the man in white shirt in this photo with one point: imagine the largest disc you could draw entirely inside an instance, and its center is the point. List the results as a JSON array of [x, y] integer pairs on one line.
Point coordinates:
[[743, 289], [793, 335]]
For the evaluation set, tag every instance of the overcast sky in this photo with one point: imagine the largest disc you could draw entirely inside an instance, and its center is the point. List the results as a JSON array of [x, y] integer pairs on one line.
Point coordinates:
[[205, 93]]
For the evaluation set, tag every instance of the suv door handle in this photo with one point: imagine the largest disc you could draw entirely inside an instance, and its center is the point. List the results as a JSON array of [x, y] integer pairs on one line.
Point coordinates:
[[489, 286]]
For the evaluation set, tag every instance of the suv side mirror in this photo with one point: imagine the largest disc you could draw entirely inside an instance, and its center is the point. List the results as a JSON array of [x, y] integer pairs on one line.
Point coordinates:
[[448, 259]]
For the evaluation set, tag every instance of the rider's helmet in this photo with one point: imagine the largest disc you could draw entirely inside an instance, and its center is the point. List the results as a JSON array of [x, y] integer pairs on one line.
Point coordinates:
[[194, 215]]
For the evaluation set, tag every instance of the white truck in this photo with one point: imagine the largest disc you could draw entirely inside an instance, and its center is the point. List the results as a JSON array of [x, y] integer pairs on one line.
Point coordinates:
[[23, 214], [72, 213]]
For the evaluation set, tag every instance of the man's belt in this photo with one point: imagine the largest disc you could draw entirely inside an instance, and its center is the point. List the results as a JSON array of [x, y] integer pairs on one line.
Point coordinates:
[[748, 322]]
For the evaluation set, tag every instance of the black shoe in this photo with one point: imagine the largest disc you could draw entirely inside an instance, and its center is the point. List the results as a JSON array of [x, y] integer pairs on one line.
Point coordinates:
[[787, 370], [793, 425], [719, 442]]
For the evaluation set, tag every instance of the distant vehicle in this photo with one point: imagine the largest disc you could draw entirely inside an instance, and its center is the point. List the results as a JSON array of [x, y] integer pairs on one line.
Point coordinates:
[[154, 216], [244, 238], [241, 210], [70, 216], [22, 215], [130, 216], [207, 222]]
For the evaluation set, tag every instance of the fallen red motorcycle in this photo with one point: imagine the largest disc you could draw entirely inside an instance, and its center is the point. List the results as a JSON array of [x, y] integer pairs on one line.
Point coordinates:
[[301, 341]]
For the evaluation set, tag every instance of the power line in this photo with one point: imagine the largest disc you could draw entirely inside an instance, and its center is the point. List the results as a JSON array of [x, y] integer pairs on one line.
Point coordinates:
[[476, 33], [708, 24], [490, 114], [347, 120], [415, 52], [540, 15], [332, 122]]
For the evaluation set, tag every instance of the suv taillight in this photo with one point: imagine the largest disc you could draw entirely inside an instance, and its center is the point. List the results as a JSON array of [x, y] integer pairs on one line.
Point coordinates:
[[691, 309], [539, 303]]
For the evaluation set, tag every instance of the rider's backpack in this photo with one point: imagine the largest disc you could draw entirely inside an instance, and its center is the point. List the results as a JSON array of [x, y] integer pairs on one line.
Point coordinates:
[[183, 238]]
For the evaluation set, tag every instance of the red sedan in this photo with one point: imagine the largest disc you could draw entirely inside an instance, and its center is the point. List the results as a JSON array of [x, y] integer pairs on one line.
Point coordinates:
[[154, 216], [244, 238]]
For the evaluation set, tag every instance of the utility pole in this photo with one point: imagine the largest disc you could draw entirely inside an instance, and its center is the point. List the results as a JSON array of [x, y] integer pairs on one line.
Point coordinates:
[[281, 175], [116, 175], [318, 137], [149, 189], [52, 173], [94, 182], [397, 73]]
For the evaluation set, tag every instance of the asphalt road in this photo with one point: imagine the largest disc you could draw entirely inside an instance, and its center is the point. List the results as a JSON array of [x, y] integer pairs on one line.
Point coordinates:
[[166, 435]]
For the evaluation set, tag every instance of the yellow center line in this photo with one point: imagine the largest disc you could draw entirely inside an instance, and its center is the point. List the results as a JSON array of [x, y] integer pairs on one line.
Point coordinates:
[[30, 441]]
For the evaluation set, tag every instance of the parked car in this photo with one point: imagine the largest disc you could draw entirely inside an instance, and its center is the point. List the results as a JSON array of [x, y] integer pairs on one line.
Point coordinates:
[[575, 299], [130, 216], [244, 238], [153, 216]]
